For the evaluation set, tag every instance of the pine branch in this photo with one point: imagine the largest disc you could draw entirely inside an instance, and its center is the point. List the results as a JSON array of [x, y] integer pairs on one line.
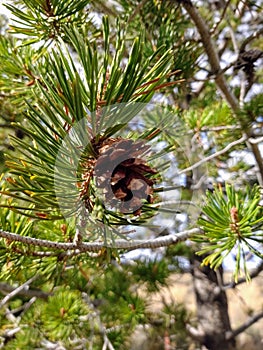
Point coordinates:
[[214, 155], [252, 274], [136, 11], [95, 247], [255, 35], [211, 52], [214, 29], [9, 333], [220, 80], [6, 288], [102, 329], [17, 291], [7, 126], [246, 325], [80, 228], [196, 333], [256, 141]]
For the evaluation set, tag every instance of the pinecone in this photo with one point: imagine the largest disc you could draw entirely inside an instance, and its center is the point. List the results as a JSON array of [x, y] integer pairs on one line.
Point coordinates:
[[121, 175]]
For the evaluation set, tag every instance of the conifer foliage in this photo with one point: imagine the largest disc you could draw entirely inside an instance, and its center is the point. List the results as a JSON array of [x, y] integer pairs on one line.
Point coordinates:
[[114, 138]]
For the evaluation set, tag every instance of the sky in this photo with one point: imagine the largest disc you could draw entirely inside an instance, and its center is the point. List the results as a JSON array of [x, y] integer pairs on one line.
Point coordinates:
[[3, 9]]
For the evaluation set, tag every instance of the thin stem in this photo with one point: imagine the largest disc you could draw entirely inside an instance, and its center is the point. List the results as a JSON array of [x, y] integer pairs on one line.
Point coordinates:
[[246, 325], [8, 126], [107, 343], [6, 288], [256, 141], [136, 11], [253, 36], [212, 156], [95, 247], [214, 29], [80, 227], [17, 291], [220, 80], [211, 52], [252, 274]]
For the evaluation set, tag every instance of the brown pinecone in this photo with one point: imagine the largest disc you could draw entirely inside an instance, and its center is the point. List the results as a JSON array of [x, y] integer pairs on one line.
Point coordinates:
[[121, 174]]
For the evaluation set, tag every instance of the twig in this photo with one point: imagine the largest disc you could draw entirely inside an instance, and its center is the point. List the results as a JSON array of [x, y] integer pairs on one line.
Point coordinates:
[[97, 246], [257, 154], [9, 333], [10, 316], [253, 36], [214, 29], [32, 253], [181, 202], [8, 126], [35, 241], [232, 35], [101, 5], [211, 52], [80, 227], [215, 128], [220, 80], [196, 333], [136, 11], [252, 274], [247, 324], [103, 331], [107, 344], [17, 291], [255, 141], [27, 305], [216, 154], [242, 93], [6, 288]]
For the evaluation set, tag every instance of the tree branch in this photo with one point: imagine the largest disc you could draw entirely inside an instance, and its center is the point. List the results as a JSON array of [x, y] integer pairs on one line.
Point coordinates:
[[136, 11], [211, 52], [247, 324], [256, 140], [257, 154], [253, 274], [195, 333], [107, 343], [7, 126], [212, 156], [9, 333], [214, 29], [17, 290], [80, 227], [95, 246], [255, 35], [6, 288], [220, 80]]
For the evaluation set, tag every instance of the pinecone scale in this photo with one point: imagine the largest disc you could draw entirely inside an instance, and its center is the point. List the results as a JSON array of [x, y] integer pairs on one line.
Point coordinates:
[[122, 176]]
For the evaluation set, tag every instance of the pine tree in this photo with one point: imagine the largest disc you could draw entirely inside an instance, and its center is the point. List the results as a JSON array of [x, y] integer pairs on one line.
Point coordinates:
[[116, 128]]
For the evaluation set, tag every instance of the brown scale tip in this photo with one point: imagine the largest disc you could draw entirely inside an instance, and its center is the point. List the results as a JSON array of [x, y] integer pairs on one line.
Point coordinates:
[[123, 176]]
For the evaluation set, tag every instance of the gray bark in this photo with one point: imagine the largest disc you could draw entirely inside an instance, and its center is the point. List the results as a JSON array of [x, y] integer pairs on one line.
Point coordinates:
[[212, 307]]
